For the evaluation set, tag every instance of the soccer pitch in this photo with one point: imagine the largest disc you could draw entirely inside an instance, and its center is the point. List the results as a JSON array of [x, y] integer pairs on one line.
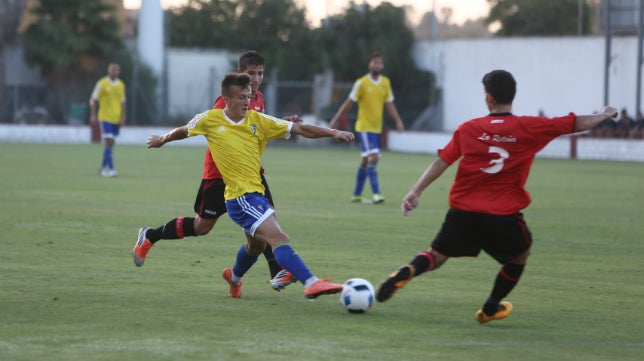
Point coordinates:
[[70, 291]]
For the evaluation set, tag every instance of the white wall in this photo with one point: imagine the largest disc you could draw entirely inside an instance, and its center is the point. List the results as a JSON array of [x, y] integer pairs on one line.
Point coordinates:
[[69, 134], [194, 78], [406, 142], [556, 75], [586, 148]]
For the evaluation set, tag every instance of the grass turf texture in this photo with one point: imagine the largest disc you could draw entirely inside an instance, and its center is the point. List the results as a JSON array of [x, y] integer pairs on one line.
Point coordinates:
[[69, 290]]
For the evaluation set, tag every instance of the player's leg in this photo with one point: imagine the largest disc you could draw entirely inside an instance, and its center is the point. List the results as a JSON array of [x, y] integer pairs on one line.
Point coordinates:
[[454, 239], [373, 151], [246, 257], [246, 211], [372, 172], [108, 159], [423, 262], [361, 175], [253, 213], [107, 163], [270, 231], [280, 278], [209, 206], [273, 267], [509, 243], [177, 228]]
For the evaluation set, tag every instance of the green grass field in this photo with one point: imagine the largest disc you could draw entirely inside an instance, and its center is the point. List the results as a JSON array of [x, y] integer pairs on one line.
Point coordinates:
[[69, 290]]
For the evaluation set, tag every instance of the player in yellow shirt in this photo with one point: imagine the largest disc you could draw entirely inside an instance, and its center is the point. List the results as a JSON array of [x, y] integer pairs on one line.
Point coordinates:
[[109, 97], [372, 92], [237, 138]]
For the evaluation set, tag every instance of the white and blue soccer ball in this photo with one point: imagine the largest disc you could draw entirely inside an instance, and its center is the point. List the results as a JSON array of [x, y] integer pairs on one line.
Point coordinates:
[[357, 295]]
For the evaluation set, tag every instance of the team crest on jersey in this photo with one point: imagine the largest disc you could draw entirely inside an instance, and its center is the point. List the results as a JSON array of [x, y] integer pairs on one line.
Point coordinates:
[[254, 128]]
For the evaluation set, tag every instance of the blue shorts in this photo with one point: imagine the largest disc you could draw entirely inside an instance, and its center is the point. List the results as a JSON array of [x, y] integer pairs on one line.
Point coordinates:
[[249, 211], [109, 130], [369, 143]]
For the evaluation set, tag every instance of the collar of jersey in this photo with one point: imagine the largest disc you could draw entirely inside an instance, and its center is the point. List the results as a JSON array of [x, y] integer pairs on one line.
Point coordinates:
[[232, 121]]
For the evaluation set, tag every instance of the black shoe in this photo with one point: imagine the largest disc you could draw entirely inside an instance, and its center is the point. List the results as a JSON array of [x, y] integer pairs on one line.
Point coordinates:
[[395, 281]]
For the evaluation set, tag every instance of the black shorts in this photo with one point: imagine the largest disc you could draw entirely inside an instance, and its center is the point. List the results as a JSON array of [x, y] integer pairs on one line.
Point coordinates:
[[465, 234], [210, 202]]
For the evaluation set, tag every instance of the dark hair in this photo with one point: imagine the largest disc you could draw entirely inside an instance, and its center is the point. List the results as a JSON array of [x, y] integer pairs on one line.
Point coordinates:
[[500, 84], [251, 57], [241, 80], [374, 55]]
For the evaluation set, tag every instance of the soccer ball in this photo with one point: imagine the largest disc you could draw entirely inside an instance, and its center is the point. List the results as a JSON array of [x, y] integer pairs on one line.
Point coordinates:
[[357, 295]]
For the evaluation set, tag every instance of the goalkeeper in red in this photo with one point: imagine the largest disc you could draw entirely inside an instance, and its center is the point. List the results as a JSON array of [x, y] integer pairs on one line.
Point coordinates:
[[488, 194]]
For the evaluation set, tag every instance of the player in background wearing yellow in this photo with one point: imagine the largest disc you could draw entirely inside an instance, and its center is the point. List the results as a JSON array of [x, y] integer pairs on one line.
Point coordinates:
[[371, 92], [237, 138], [109, 97], [496, 152], [210, 203]]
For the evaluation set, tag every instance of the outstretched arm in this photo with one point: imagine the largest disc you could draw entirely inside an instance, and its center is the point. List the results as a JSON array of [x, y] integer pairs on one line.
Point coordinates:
[[391, 109], [314, 131], [429, 176], [157, 141], [293, 118], [585, 122], [343, 109]]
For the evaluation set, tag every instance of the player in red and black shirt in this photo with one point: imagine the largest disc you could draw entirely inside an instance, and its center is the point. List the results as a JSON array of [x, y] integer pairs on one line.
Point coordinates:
[[210, 203], [488, 193]]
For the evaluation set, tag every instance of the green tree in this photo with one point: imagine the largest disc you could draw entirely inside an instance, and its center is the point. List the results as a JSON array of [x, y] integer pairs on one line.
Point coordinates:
[[276, 28], [349, 39], [538, 18], [70, 40], [202, 23], [445, 28]]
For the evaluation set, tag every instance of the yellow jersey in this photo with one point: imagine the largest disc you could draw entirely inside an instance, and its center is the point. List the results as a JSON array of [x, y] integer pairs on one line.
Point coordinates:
[[236, 147], [371, 96], [110, 95]]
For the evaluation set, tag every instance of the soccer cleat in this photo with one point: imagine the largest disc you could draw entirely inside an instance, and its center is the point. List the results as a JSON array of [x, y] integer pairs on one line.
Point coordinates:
[[356, 199], [141, 247], [322, 287], [112, 173], [395, 281], [378, 198], [282, 279], [235, 290], [104, 172], [504, 311]]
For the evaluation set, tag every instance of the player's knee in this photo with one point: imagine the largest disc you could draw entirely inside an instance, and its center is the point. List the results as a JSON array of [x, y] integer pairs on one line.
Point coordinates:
[[255, 246], [276, 244], [513, 271], [203, 226], [439, 259], [522, 259]]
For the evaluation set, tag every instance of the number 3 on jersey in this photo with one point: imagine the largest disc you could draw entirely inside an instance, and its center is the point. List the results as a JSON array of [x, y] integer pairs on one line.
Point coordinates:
[[497, 164]]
